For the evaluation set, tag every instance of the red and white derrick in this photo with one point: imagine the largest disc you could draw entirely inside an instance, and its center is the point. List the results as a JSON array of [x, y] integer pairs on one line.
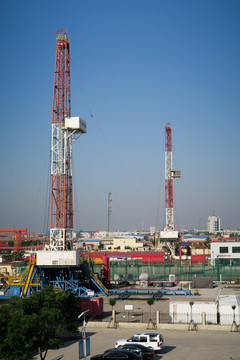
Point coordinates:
[[169, 236], [65, 129]]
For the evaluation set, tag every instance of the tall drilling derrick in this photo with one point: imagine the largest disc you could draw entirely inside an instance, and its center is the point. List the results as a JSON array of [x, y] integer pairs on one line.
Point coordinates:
[[169, 235], [65, 129], [168, 179]]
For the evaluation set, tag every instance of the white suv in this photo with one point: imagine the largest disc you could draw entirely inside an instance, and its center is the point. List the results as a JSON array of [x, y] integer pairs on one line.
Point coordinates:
[[152, 340]]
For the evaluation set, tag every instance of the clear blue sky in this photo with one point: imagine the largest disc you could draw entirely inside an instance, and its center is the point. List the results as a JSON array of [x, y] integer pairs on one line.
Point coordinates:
[[135, 65]]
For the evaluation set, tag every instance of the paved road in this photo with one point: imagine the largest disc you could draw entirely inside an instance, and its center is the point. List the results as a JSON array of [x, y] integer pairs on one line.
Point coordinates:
[[181, 345]]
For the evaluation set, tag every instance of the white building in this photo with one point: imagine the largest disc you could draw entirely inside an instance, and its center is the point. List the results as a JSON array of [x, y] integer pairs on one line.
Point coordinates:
[[214, 224], [225, 252], [152, 230]]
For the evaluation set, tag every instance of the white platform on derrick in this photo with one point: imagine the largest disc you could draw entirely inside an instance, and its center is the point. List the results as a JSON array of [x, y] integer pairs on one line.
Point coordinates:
[[58, 258]]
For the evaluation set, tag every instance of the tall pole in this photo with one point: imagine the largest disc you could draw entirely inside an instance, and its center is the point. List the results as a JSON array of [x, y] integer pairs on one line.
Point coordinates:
[[109, 212]]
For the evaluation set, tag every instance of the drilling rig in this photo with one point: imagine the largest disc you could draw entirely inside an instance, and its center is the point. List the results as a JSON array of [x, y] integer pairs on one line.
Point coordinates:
[[65, 130], [169, 236]]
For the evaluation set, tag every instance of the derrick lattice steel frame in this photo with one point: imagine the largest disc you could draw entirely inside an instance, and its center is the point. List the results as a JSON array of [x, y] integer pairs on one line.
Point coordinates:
[[61, 208], [168, 179]]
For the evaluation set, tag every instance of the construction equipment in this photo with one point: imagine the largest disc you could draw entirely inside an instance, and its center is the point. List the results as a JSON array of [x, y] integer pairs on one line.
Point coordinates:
[[29, 276], [17, 237]]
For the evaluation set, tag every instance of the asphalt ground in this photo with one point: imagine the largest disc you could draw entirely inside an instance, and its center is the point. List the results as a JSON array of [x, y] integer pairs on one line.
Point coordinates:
[[181, 345]]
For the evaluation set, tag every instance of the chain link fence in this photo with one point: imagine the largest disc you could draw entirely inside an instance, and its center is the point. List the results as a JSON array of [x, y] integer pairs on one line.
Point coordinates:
[[130, 270]]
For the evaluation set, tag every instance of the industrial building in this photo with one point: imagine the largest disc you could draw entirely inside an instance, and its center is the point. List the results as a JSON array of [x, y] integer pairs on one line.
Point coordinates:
[[225, 252]]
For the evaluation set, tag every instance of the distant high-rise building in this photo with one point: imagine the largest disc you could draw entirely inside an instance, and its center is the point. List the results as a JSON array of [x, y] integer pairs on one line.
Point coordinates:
[[152, 230], [214, 224]]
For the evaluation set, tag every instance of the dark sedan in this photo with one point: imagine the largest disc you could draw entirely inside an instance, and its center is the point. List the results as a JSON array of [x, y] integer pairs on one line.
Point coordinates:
[[117, 354], [146, 352]]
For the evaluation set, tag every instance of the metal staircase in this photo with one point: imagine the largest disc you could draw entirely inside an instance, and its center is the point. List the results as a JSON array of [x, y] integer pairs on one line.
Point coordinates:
[[94, 279]]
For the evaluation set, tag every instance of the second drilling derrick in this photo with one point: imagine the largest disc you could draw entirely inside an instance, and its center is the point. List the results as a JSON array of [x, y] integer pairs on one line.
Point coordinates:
[[169, 236]]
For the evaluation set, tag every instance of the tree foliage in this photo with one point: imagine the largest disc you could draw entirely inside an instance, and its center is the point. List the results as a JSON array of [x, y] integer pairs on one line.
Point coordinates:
[[112, 302], [150, 302], [35, 324]]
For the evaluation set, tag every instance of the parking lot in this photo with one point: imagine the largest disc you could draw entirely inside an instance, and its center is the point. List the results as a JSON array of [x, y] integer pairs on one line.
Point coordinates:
[[181, 345]]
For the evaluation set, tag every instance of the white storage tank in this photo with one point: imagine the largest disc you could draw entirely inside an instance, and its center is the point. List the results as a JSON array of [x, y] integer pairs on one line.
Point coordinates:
[[226, 312], [180, 312], [144, 279]]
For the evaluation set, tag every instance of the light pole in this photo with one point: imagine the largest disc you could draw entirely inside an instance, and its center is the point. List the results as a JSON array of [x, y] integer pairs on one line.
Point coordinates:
[[84, 332]]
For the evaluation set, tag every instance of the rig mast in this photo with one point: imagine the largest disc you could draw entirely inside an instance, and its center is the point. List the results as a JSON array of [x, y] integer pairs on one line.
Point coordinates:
[[65, 130], [169, 234]]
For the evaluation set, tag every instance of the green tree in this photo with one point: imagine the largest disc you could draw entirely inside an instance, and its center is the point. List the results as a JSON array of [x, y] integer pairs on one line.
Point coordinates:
[[37, 323], [191, 303], [150, 302], [233, 308], [101, 246], [112, 302], [207, 243]]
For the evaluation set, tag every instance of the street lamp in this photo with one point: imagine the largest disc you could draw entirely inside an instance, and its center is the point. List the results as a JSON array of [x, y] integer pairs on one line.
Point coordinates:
[[84, 332]]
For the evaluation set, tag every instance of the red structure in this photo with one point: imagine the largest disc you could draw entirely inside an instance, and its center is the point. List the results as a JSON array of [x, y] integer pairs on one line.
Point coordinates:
[[61, 178], [105, 271], [17, 237], [65, 130], [170, 175], [168, 178], [146, 256]]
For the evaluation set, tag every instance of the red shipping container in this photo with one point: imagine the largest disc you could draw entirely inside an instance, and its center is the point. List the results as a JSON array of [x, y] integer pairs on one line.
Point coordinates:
[[198, 258], [93, 304]]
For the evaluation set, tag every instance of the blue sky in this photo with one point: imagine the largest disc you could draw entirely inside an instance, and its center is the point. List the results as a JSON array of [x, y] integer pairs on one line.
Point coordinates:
[[135, 65]]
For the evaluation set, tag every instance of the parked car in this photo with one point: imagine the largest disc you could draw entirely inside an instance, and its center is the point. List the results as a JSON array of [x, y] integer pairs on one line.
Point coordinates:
[[117, 354], [146, 352], [122, 348], [151, 340]]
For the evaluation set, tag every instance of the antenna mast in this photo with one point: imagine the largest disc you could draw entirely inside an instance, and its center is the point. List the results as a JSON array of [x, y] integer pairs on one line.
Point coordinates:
[[109, 212]]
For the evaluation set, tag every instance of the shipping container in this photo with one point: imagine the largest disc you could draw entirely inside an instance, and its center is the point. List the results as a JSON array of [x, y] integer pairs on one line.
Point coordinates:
[[93, 304]]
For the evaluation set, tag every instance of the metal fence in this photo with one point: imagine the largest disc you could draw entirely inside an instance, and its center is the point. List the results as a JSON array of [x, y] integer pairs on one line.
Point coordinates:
[[144, 317], [141, 317], [130, 270]]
